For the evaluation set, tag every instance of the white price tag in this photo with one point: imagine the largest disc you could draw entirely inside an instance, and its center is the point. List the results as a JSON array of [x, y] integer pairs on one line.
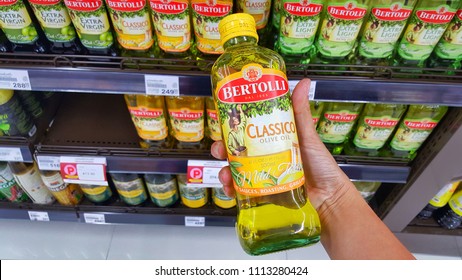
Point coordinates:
[[162, 85], [204, 174], [10, 154], [91, 172], [83, 170], [194, 221], [14, 79], [38, 216], [293, 83], [93, 218], [211, 175], [48, 162]]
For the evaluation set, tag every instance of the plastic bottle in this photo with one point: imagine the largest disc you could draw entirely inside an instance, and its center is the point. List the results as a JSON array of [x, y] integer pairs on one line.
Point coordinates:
[[316, 108], [14, 119], [213, 124], [99, 195], [374, 128], [276, 18], [28, 177], [31, 103], [260, 10], [382, 30], [65, 194], [336, 123], [162, 188], [221, 200], [251, 90], [192, 197], [130, 188], [367, 189], [297, 29], [54, 19], [439, 200], [450, 216], [424, 29], [9, 188]]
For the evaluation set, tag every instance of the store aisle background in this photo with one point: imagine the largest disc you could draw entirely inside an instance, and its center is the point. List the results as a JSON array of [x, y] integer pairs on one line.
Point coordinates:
[[64, 240]]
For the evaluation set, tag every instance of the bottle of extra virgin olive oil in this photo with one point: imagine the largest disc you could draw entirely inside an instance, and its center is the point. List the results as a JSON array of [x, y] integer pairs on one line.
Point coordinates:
[[260, 10], [20, 29], [424, 29], [298, 27], [251, 90], [57, 26], [382, 31]]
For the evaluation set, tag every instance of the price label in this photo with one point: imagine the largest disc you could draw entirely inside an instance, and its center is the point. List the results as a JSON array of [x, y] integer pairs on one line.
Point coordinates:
[[204, 174], [162, 85], [48, 162], [83, 170], [38, 216], [10, 154], [194, 221], [94, 218], [311, 93], [14, 79]]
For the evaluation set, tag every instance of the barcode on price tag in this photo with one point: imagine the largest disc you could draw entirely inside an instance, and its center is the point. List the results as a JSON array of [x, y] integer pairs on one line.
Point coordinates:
[[38, 216], [48, 163], [94, 218], [14, 79], [311, 93], [194, 221], [10, 154], [162, 85]]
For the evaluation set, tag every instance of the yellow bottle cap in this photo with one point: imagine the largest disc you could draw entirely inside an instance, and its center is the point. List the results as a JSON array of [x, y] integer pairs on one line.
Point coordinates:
[[5, 95], [235, 25]]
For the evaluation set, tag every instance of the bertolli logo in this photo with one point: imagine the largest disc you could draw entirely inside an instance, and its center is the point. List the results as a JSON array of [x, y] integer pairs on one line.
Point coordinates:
[[146, 113], [341, 117], [44, 2], [381, 123], [423, 125], [126, 5], [347, 12], [168, 7], [83, 5], [395, 13], [441, 15], [212, 9], [7, 2], [303, 8], [185, 114]]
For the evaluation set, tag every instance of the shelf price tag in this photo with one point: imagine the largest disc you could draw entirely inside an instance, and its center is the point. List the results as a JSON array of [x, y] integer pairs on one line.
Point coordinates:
[[14, 79], [10, 154], [204, 174], [162, 85], [94, 218], [194, 221], [48, 162], [83, 170], [311, 93], [38, 216]]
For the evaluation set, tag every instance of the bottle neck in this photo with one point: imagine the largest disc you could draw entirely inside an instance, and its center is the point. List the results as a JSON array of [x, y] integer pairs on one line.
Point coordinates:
[[239, 40]]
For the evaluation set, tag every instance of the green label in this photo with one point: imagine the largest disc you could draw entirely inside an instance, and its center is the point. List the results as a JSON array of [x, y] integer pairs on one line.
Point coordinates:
[[423, 32], [299, 23], [335, 126], [14, 121], [412, 133], [450, 45], [9, 188], [340, 28], [131, 192], [456, 203], [374, 132], [54, 20], [16, 23], [382, 30]]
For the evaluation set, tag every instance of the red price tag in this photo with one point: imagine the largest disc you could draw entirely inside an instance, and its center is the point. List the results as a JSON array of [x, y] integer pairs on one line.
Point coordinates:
[[204, 174], [83, 170]]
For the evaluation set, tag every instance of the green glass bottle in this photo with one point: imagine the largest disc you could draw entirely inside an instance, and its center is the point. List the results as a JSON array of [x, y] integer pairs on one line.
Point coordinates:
[[276, 18], [316, 109], [298, 27], [375, 126], [336, 123]]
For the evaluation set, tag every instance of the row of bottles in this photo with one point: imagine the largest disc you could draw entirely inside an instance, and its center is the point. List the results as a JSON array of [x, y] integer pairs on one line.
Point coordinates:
[[24, 182], [387, 130]]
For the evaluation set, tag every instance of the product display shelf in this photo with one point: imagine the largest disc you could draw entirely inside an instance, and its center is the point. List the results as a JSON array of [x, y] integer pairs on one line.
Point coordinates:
[[357, 83], [430, 226]]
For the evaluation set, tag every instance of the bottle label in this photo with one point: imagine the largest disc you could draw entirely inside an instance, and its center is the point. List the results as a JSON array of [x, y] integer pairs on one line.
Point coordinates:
[[94, 190], [450, 45], [206, 15], [33, 185], [213, 125], [132, 24], [340, 28], [54, 20], [374, 132], [299, 20], [383, 29], [259, 131], [9, 188], [14, 121], [187, 124], [65, 194], [91, 23], [259, 9], [162, 191], [455, 203], [221, 199], [335, 126], [276, 19], [423, 32], [412, 133], [54, 182], [443, 196], [130, 190], [172, 24], [149, 122], [16, 23]]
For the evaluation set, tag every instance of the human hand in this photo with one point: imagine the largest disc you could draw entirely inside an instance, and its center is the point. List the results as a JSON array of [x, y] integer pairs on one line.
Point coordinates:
[[325, 181]]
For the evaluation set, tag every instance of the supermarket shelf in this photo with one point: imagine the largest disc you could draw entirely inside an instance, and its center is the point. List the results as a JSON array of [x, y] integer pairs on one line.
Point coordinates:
[[430, 226], [334, 82], [23, 211], [16, 145]]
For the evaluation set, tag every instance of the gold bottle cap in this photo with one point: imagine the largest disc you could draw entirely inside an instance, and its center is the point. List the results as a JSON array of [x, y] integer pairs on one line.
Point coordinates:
[[235, 25]]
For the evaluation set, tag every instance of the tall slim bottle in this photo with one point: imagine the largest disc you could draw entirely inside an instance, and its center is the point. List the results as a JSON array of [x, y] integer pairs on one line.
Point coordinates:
[[374, 128], [316, 108], [260, 10], [336, 123], [382, 30], [450, 216], [213, 124], [9, 188], [14, 119], [424, 29], [251, 90], [439, 200]]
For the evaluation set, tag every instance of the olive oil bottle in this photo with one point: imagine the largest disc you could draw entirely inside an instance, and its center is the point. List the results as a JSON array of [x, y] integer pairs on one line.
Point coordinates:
[[261, 12], [316, 108], [213, 124], [251, 91]]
